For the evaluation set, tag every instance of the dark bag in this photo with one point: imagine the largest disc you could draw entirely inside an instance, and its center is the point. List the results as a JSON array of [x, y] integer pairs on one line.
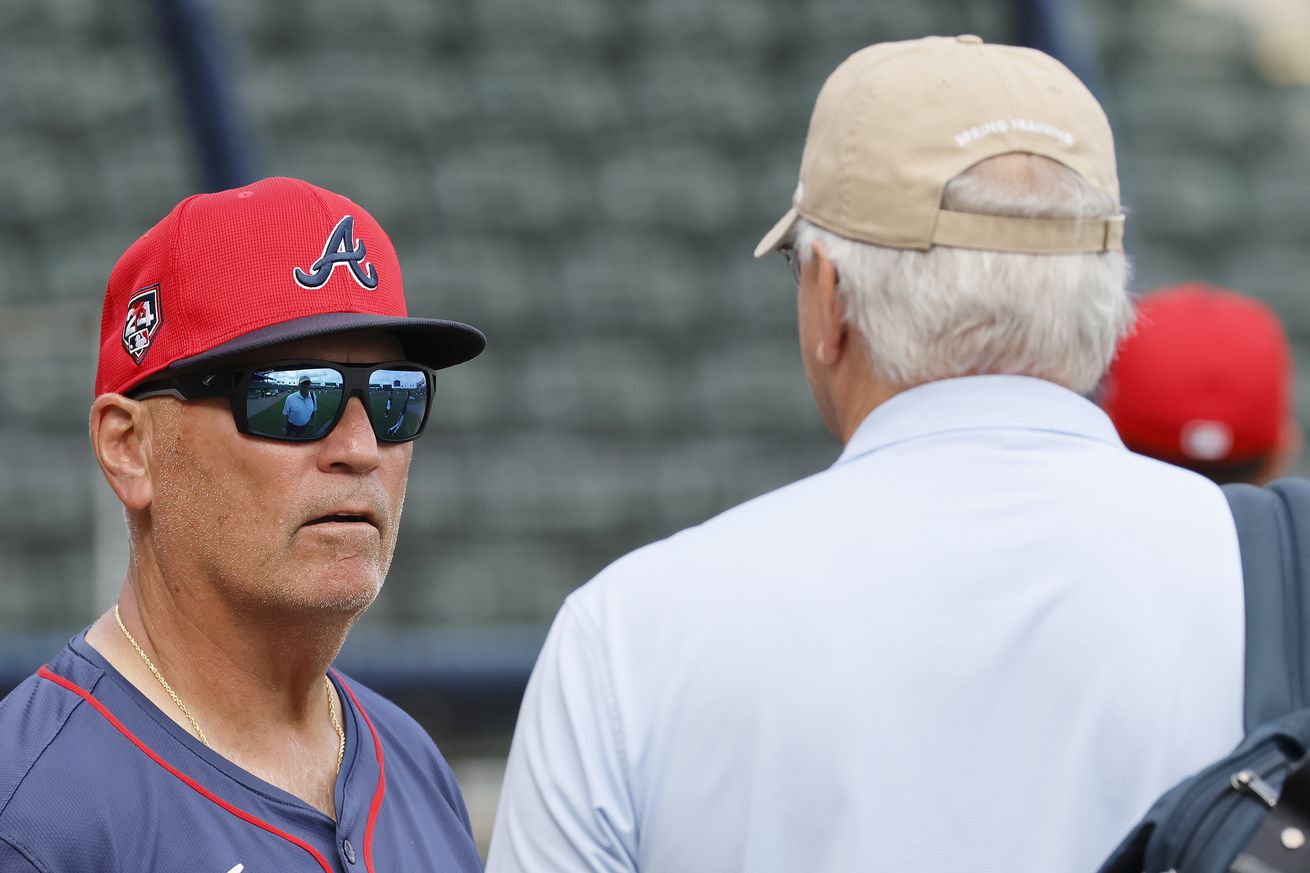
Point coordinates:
[[1250, 811]]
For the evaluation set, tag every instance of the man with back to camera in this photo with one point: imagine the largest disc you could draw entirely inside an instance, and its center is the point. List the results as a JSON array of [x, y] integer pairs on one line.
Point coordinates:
[[988, 636], [391, 393], [400, 417], [299, 408], [197, 725], [1205, 381]]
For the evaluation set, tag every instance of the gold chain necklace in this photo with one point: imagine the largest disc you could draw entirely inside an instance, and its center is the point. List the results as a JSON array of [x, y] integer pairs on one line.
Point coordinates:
[[195, 725]]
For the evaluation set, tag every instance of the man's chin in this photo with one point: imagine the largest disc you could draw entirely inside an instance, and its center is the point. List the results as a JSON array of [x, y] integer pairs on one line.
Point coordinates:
[[345, 597], [329, 595]]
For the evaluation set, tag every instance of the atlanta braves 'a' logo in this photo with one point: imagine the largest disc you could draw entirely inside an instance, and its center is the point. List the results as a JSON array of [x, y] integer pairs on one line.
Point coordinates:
[[340, 250], [142, 323]]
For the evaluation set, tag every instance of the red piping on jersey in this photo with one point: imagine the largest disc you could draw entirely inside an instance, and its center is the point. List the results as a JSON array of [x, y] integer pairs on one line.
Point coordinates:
[[382, 778], [45, 673]]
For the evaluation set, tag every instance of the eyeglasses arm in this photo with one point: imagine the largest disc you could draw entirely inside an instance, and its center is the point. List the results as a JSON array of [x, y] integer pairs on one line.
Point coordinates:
[[189, 387], [161, 391]]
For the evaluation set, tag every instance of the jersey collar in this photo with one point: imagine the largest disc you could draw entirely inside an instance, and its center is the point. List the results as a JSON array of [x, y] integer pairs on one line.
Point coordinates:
[[973, 403], [359, 767]]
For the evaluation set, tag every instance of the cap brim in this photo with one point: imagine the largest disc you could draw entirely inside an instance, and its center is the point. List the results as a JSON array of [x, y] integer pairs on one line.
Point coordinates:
[[432, 341], [775, 237]]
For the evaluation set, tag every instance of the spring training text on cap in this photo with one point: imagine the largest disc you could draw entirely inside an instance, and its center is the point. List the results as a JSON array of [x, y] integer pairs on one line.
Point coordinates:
[[1001, 125]]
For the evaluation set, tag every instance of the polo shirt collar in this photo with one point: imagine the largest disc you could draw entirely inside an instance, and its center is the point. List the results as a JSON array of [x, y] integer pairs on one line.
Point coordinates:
[[980, 403]]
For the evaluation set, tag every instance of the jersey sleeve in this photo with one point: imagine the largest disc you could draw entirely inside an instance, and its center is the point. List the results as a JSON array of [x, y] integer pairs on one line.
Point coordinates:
[[566, 803], [286, 404], [15, 860], [450, 792]]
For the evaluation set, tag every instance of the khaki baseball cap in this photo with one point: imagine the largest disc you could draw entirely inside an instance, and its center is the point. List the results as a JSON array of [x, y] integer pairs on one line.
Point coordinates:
[[897, 121]]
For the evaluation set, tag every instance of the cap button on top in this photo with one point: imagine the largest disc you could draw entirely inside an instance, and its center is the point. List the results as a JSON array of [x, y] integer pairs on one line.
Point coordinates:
[[969, 39]]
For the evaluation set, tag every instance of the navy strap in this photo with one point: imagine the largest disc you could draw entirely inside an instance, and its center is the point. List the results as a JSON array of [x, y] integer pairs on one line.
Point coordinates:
[[1273, 557], [1295, 494], [1273, 532]]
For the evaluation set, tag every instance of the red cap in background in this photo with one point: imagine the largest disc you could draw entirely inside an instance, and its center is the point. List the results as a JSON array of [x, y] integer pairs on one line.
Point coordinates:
[[1205, 378], [240, 270]]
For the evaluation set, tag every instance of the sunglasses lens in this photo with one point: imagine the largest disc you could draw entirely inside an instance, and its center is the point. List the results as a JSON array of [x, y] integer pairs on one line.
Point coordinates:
[[293, 404], [398, 403]]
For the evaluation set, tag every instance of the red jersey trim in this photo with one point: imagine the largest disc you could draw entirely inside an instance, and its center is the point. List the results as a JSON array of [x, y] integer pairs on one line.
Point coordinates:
[[45, 673], [382, 777]]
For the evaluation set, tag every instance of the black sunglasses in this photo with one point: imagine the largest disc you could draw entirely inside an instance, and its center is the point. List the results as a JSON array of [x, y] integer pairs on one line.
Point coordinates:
[[788, 251], [302, 400]]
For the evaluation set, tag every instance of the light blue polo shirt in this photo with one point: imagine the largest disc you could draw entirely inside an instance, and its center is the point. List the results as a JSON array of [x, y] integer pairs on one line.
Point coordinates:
[[299, 410], [984, 640]]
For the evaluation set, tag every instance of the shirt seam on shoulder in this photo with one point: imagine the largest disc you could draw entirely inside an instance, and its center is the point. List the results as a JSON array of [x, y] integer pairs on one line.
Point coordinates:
[[611, 700], [26, 855], [5, 801]]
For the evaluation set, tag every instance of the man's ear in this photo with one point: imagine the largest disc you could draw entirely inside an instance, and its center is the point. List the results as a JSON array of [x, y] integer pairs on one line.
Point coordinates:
[[120, 438], [834, 334]]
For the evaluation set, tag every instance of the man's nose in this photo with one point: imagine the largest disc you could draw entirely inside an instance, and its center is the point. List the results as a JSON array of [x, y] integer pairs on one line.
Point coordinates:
[[351, 445]]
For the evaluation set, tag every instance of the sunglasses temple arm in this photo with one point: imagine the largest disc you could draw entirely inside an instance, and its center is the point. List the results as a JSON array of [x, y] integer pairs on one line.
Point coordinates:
[[160, 392]]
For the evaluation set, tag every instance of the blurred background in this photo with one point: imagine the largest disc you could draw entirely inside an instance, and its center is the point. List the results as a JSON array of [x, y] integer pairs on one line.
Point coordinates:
[[584, 180]]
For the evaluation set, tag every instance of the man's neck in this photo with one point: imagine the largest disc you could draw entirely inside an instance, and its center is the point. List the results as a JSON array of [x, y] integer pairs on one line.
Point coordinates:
[[254, 686], [857, 397]]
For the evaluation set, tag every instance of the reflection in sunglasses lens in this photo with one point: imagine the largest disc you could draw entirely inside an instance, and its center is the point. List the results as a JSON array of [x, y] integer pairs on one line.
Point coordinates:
[[398, 401], [293, 403]]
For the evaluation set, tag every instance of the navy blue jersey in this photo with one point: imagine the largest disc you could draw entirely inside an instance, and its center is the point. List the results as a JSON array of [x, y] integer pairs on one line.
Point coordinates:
[[93, 777]]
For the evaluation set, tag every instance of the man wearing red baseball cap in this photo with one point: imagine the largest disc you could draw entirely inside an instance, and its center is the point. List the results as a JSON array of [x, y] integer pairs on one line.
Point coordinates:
[[198, 724], [1205, 382]]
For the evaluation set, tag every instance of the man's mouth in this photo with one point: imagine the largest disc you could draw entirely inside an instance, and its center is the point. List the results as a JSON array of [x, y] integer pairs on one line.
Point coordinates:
[[342, 518]]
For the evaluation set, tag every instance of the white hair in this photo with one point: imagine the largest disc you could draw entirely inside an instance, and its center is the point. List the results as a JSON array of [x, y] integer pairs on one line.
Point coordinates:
[[944, 312]]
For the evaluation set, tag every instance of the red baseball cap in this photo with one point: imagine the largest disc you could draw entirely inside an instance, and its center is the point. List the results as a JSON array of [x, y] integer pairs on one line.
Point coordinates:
[[240, 270], [1206, 378]]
